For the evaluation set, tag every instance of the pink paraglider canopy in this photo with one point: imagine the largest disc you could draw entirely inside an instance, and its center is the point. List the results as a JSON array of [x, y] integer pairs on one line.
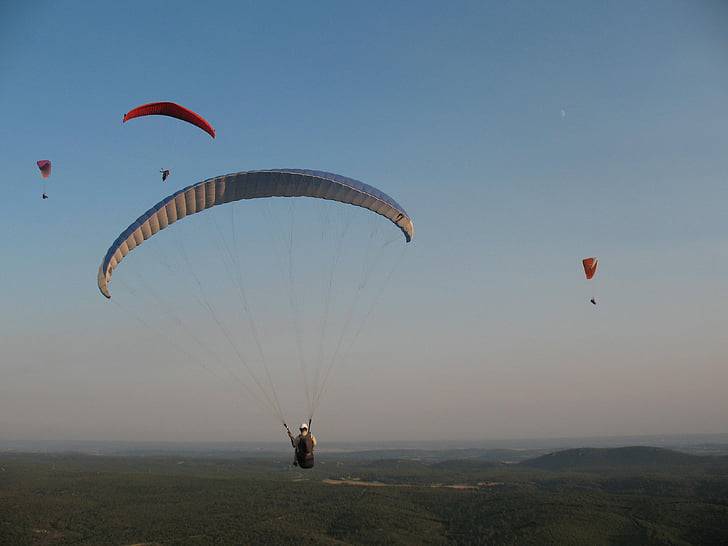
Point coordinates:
[[45, 167]]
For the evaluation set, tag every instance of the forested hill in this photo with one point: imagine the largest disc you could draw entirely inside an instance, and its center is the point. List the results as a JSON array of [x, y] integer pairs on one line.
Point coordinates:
[[586, 459], [89, 499]]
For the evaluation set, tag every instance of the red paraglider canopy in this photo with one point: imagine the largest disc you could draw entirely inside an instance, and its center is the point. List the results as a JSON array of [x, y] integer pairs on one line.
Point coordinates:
[[45, 167], [590, 267], [172, 110]]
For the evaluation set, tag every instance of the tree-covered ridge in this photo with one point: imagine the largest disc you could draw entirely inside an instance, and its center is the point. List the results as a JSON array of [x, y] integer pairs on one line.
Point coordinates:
[[82, 499], [586, 458]]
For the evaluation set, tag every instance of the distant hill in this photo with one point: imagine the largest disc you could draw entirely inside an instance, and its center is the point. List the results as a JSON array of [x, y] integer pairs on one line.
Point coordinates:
[[427, 456], [587, 458]]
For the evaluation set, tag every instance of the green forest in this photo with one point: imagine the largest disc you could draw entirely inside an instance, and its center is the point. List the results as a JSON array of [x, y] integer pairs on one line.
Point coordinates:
[[634, 495]]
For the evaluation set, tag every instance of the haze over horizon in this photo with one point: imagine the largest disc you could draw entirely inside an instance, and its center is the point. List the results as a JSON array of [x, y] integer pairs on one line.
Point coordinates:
[[520, 138]]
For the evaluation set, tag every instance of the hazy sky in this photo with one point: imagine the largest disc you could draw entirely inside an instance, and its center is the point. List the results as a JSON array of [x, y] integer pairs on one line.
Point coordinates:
[[520, 136]]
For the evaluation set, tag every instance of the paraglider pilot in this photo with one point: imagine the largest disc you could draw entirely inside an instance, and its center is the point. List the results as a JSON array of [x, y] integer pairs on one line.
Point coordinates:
[[165, 174], [304, 445]]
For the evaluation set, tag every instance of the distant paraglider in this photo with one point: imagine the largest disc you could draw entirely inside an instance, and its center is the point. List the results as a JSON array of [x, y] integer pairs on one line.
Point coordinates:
[[590, 269], [165, 174], [172, 110], [45, 171]]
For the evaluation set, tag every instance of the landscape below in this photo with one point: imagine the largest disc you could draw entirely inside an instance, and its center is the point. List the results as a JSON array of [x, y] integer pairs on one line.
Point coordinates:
[[630, 495]]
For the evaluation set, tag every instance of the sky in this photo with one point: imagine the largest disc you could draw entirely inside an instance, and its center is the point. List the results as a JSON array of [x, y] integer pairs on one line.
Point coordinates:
[[520, 137]]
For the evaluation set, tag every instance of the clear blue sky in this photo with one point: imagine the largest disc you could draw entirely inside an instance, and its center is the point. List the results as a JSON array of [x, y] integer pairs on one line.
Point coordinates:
[[520, 136]]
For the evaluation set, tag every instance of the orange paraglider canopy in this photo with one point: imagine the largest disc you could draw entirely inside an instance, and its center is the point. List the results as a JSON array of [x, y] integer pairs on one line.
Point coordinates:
[[590, 267], [172, 110]]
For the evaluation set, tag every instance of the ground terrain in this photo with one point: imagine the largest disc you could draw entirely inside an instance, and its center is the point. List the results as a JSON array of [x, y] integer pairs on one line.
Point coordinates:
[[637, 495]]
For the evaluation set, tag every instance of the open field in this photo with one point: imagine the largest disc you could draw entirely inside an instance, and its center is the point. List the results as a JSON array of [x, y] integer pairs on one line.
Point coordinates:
[[600, 496]]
